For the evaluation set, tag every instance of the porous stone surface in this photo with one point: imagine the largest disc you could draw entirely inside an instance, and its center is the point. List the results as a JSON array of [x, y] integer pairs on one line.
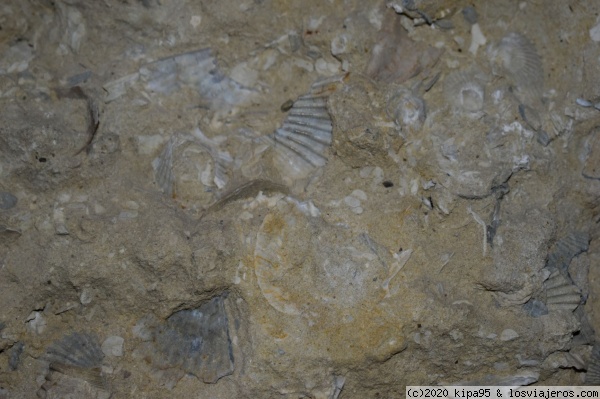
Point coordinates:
[[328, 200]]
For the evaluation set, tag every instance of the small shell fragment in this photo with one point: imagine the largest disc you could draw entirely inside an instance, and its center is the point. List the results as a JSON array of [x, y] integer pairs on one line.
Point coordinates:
[[584, 102]]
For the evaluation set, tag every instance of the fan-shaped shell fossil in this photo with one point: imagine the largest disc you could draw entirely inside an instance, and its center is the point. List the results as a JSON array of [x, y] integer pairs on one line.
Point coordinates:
[[302, 143], [567, 248], [194, 341], [75, 362], [561, 293], [592, 377], [516, 58], [197, 340], [77, 349]]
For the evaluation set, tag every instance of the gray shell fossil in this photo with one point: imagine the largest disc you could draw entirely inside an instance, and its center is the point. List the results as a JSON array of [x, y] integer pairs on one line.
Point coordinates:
[[567, 248], [77, 349], [196, 341], [561, 293], [592, 377], [75, 371], [516, 58], [196, 69], [301, 144]]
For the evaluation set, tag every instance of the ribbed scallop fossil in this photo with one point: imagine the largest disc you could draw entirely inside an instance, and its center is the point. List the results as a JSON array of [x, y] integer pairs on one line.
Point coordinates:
[[516, 58]]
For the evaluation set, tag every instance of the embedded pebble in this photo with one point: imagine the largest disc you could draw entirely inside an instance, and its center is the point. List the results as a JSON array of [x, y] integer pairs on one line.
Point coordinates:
[[339, 45], [15, 355], [7, 200], [352, 202], [508, 335], [360, 194], [86, 297], [595, 31], [113, 346]]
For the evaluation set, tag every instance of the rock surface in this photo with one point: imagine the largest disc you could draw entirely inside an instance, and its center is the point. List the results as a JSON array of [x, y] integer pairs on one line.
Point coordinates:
[[259, 199]]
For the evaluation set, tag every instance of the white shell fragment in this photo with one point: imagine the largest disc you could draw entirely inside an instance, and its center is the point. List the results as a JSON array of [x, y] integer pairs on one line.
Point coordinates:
[[113, 346], [195, 69], [399, 262], [477, 38], [508, 335]]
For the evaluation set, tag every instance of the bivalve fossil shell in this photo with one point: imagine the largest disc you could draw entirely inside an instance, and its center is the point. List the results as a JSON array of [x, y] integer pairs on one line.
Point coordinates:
[[561, 293], [592, 377], [193, 168], [516, 58], [75, 371], [567, 248], [302, 143], [407, 109]]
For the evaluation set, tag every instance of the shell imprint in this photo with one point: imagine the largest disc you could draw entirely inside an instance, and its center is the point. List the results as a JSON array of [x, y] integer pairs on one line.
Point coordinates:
[[516, 58], [302, 263], [567, 248], [75, 362], [192, 167], [195, 341], [592, 377], [464, 92]]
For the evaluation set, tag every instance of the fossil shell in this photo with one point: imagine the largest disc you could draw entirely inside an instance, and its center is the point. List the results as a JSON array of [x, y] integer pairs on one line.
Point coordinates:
[[516, 58], [171, 73], [75, 370], [592, 377], [567, 248], [194, 341], [302, 143], [464, 91], [407, 109], [535, 308], [78, 350], [192, 168], [302, 263], [194, 69], [561, 293]]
